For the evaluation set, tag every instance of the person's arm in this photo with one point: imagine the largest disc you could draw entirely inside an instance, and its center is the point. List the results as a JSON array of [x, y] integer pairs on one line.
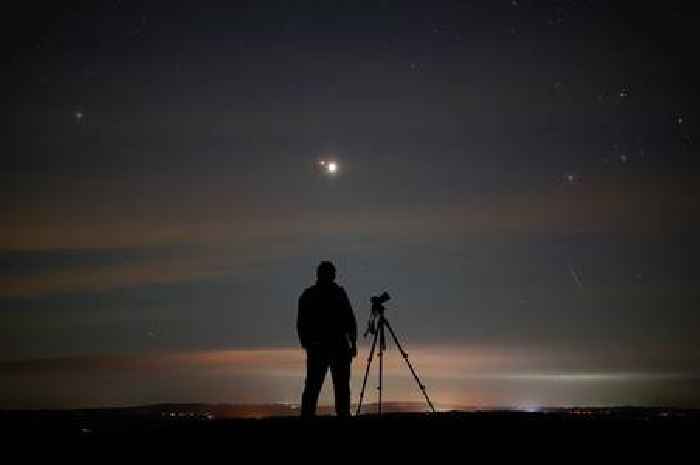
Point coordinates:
[[301, 321], [351, 323]]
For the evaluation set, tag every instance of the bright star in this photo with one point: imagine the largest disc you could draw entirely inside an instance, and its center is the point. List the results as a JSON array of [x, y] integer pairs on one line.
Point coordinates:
[[328, 167]]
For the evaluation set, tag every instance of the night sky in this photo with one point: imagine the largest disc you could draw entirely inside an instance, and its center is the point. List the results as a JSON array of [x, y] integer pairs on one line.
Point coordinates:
[[521, 176]]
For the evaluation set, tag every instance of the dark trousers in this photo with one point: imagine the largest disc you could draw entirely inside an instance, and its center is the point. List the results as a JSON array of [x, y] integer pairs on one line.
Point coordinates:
[[317, 364]]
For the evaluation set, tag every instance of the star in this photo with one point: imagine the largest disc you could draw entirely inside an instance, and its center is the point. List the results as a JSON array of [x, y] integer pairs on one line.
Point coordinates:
[[328, 167], [570, 178], [78, 115]]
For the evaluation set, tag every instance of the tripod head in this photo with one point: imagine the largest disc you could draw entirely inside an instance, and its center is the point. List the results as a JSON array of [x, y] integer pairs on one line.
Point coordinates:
[[376, 311]]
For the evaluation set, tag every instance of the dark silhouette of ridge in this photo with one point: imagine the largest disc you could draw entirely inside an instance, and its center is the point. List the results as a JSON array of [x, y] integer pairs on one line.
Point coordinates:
[[580, 426]]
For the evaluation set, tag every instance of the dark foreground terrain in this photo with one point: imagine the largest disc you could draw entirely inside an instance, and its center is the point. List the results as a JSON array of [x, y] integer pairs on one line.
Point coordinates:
[[636, 428]]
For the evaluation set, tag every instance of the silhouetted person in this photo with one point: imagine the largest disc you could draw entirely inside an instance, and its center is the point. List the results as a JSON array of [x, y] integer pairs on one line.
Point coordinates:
[[328, 331]]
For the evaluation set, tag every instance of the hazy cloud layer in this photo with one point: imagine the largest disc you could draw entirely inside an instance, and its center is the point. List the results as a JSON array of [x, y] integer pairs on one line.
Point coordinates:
[[482, 376]]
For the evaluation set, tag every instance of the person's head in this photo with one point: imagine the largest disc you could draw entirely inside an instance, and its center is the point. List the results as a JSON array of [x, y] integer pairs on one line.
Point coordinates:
[[325, 272]]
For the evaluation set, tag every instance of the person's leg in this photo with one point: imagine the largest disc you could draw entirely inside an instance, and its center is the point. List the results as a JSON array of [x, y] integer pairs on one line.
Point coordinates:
[[316, 367], [340, 370]]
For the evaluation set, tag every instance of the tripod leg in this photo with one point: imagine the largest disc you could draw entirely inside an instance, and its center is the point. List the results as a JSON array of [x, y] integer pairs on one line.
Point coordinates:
[[382, 345], [410, 367], [364, 382]]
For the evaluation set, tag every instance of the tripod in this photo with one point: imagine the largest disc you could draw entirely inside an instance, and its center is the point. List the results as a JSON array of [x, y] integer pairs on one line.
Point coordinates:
[[378, 332]]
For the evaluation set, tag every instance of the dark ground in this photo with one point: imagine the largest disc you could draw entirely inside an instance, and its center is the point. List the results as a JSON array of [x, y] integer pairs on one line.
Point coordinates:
[[406, 431]]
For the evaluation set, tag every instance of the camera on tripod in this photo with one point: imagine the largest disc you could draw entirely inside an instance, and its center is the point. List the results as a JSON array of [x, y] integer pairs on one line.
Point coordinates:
[[376, 327], [378, 302], [377, 310]]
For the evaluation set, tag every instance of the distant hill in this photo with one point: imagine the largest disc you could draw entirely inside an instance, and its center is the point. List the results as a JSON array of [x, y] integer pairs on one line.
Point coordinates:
[[248, 410], [224, 411]]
